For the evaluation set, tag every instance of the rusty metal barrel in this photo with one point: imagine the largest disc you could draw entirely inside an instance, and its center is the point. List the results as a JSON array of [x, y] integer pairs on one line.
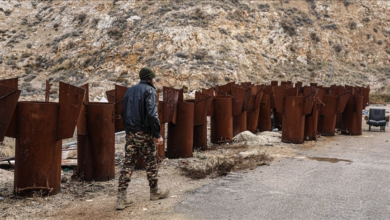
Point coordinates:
[[37, 151], [96, 148], [352, 115], [222, 120], [180, 135], [311, 120]]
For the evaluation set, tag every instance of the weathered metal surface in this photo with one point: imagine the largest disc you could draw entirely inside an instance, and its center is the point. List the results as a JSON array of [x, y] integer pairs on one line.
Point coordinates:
[[265, 123], [12, 129], [82, 119], [202, 102], [299, 85], [37, 151], [8, 101], [311, 120], [224, 89], [310, 95], [274, 83], [239, 123], [247, 97], [180, 135], [96, 151], [161, 147], [333, 104], [238, 94], [366, 96], [239, 116], [293, 120], [47, 91], [120, 92], [313, 84], [110, 96], [13, 83], [222, 121], [70, 101], [211, 92], [254, 111], [352, 115], [170, 97]]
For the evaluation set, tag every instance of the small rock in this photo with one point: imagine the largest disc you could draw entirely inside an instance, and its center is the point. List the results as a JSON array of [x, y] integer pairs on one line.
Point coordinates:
[[64, 179], [1, 199]]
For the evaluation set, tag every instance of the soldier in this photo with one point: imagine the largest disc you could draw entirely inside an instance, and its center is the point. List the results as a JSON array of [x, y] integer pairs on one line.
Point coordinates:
[[141, 122]]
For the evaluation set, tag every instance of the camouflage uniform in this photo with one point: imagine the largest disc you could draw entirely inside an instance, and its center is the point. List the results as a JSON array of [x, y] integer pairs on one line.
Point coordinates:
[[137, 143]]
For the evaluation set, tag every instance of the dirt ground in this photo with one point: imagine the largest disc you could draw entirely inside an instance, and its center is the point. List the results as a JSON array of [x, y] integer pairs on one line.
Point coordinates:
[[92, 200]]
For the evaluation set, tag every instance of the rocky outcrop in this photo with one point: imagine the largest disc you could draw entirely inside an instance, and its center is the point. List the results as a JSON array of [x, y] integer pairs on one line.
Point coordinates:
[[194, 43]]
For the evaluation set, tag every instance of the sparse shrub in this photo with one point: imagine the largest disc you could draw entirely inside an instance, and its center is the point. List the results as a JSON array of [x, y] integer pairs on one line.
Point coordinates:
[[223, 31], [182, 55], [338, 48], [375, 30], [29, 78], [314, 37], [366, 19], [29, 45], [379, 42], [115, 33], [288, 27], [95, 22], [352, 25], [80, 18], [346, 3], [271, 41]]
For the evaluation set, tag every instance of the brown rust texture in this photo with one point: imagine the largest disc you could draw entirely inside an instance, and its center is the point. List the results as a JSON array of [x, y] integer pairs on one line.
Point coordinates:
[[180, 135], [8, 100], [222, 121], [37, 156], [70, 101]]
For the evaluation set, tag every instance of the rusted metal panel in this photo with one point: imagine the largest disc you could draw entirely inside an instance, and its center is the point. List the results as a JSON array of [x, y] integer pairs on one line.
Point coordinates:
[[120, 92], [352, 116], [200, 137], [366, 96], [327, 117], [310, 95], [8, 101], [313, 84], [265, 123], [311, 120], [224, 89], [37, 151], [12, 129], [202, 102], [254, 110], [96, 160], [70, 101], [82, 119], [222, 121], [211, 92], [274, 83], [342, 102], [161, 147], [13, 83], [238, 94], [293, 120], [239, 123], [110, 96], [170, 97], [180, 135], [279, 96], [299, 85], [47, 92]]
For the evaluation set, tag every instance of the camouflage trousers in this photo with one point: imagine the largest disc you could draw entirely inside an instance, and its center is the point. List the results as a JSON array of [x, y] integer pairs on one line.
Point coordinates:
[[139, 143]]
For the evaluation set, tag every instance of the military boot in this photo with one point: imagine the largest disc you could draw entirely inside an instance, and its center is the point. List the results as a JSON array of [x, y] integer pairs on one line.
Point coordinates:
[[123, 201], [156, 193]]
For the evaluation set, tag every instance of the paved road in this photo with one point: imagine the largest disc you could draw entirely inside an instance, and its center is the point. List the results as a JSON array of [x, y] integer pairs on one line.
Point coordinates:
[[355, 184]]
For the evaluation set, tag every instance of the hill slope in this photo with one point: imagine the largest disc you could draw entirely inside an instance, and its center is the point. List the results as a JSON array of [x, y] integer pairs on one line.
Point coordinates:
[[194, 43]]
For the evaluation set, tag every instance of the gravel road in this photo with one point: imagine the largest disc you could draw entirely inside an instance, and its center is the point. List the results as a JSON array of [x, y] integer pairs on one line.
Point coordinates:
[[341, 177]]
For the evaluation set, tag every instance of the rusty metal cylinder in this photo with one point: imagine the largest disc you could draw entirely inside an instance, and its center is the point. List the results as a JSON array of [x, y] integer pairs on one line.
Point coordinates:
[[264, 123], [200, 137], [293, 120], [38, 151], [222, 121], [239, 123], [96, 150], [252, 120], [180, 135], [352, 116]]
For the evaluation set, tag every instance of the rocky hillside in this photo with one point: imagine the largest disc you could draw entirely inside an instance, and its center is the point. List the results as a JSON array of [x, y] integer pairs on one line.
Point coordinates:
[[194, 43]]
